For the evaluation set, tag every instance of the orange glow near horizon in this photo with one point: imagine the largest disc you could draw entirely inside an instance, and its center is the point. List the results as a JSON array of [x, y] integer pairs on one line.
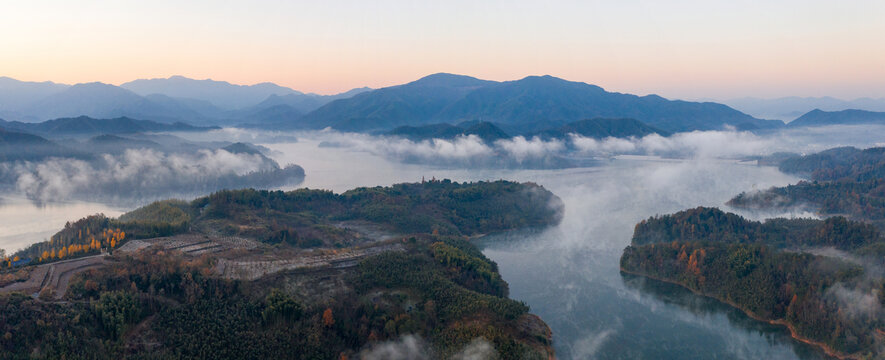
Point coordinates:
[[683, 49]]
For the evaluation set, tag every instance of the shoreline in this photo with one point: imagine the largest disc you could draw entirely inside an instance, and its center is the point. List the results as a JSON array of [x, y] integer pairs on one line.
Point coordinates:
[[793, 333]]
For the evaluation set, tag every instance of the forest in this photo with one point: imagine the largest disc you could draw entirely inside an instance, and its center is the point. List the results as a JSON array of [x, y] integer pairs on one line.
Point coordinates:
[[193, 315], [768, 269], [844, 163], [714, 225], [303, 218], [160, 304], [843, 181]]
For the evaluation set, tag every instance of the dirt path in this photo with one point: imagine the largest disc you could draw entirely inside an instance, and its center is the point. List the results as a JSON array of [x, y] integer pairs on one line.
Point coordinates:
[[62, 282], [55, 276], [33, 284]]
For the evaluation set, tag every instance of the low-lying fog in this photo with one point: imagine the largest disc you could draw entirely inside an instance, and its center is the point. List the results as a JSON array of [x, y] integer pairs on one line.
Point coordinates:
[[567, 274]]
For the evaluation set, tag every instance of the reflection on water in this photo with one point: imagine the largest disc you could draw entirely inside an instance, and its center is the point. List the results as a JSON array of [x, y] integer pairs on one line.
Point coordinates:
[[569, 274], [597, 313], [704, 307]]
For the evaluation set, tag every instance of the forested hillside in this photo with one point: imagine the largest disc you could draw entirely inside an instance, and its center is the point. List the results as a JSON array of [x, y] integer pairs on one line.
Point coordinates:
[[167, 302], [844, 181], [771, 271], [711, 224]]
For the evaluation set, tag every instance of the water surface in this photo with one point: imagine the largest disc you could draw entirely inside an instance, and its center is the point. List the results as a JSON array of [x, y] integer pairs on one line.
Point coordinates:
[[23, 222], [568, 274]]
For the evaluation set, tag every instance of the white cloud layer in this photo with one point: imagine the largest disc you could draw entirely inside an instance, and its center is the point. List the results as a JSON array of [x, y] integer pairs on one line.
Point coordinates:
[[576, 150], [133, 171]]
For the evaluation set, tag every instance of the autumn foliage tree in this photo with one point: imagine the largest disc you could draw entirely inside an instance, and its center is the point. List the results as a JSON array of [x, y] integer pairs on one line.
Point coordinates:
[[87, 236], [328, 318]]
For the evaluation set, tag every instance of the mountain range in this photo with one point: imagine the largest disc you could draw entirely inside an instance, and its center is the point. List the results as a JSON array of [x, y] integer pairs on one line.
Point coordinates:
[[819, 117], [533, 103], [22, 146], [177, 98], [85, 125], [221, 94], [526, 106], [791, 108]]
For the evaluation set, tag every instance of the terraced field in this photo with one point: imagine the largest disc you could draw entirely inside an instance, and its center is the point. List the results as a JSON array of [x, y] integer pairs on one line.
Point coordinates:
[[192, 244], [253, 260], [307, 260], [53, 278]]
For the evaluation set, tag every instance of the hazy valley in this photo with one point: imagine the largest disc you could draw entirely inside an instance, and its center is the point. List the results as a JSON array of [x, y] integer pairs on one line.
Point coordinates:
[[481, 255]]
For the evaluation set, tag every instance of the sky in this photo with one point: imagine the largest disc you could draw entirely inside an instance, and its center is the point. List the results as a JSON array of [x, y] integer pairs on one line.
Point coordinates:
[[675, 48]]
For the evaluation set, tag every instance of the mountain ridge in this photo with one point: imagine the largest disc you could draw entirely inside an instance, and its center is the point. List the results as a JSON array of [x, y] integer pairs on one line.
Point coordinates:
[[530, 104], [819, 117], [220, 93], [167, 100], [791, 107], [84, 125]]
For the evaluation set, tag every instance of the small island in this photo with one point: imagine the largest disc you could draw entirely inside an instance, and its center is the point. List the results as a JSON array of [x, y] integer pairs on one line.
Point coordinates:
[[269, 274]]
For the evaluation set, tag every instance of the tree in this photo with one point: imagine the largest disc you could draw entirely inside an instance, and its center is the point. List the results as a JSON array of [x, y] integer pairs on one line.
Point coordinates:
[[279, 305], [328, 319]]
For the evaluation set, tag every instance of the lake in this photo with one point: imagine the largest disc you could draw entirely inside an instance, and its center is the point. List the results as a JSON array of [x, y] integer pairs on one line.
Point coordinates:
[[568, 274]]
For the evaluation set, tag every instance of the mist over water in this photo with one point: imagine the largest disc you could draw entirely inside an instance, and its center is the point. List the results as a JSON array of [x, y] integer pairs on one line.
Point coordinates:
[[568, 274]]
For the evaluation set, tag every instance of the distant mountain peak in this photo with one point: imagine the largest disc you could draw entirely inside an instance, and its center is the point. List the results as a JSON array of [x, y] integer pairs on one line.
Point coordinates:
[[92, 84], [219, 93], [8, 79], [543, 77], [182, 80], [791, 107], [449, 80], [819, 117], [550, 80]]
